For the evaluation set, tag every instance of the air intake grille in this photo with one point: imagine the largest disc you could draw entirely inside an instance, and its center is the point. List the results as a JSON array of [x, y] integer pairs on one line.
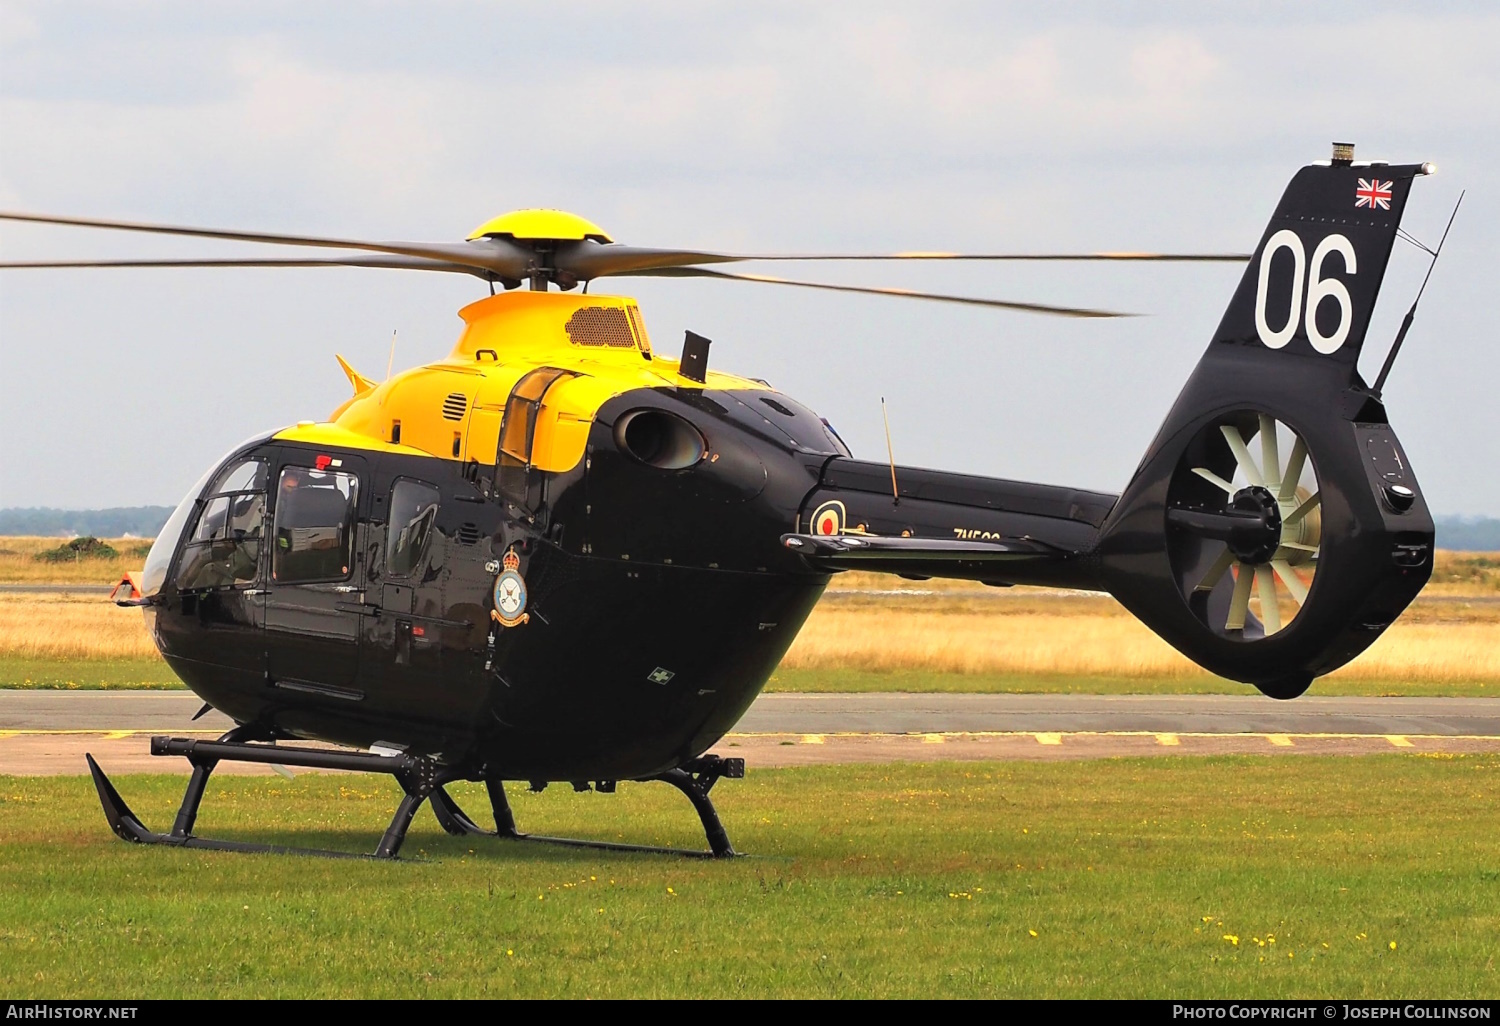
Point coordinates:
[[468, 534], [600, 326], [454, 407], [640, 329]]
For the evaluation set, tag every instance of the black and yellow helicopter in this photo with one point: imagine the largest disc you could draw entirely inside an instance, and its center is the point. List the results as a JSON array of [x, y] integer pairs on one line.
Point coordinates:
[[557, 555]]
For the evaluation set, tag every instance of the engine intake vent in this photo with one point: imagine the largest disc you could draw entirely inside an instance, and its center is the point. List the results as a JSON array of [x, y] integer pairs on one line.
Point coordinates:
[[597, 326], [468, 534], [455, 406]]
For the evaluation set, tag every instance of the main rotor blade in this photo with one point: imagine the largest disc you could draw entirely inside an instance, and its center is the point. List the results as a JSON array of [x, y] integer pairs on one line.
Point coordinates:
[[1237, 258], [503, 258], [1042, 308], [390, 262], [595, 260]]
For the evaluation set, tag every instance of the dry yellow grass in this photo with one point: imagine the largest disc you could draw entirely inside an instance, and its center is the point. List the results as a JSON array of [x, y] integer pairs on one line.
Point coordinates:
[[1016, 637], [71, 626], [1454, 574], [957, 627], [19, 565]]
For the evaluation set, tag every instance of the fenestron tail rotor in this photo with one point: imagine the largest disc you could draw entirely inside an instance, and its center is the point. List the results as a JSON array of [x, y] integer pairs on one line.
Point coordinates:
[[1249, 526]]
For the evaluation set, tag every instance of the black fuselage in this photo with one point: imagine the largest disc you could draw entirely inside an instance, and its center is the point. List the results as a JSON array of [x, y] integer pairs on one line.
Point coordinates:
[[659, 600]]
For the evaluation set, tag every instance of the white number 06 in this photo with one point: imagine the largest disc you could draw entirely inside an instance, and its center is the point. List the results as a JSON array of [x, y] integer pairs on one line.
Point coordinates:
[[1318, 290]]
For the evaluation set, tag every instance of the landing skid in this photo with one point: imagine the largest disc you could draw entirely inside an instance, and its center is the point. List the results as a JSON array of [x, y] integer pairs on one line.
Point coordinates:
[[421, 779], [695, 779]]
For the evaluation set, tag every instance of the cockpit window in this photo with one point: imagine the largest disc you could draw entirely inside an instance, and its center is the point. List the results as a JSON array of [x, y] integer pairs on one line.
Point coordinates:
[[159, 560], [414, 507], [314, 525], [224, 549]]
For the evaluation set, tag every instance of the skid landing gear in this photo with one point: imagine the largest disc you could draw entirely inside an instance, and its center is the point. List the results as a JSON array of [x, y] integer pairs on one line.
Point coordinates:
[[420, 778], [694, 779]]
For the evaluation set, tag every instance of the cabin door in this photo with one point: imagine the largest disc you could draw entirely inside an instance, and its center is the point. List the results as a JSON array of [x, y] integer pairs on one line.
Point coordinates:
[[315, 591]]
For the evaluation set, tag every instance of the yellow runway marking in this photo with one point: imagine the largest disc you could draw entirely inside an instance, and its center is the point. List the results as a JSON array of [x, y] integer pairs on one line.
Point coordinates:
[[928, 737], [1056, 737], [109, 735]]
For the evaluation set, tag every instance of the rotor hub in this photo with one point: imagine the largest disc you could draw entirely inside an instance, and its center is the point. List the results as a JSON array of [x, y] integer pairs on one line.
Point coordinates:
[[1252, 542]]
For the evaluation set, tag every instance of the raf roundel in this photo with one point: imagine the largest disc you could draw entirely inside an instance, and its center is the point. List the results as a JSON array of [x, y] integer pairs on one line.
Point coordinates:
[[510, 594], [828, 519]]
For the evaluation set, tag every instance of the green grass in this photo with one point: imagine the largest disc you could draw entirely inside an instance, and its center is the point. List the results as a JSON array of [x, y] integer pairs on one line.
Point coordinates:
[[153, 674], [1064, 684], [87, 674], [896, 881]]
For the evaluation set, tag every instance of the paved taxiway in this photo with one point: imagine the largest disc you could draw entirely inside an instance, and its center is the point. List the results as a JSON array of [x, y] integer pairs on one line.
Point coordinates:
[[46, 732], [900, 713]]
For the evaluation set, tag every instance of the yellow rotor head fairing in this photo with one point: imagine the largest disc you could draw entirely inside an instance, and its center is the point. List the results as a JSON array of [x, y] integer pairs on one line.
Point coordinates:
[[542, 224]]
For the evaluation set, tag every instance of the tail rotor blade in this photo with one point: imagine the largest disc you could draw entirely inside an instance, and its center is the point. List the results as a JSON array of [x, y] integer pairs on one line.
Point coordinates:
[[1242, 454], [1291, 580], [1215, 479], [1270, 612], [1293, 470], [1270, 459], [1308, 505], [1215, 572], [1239, 604]]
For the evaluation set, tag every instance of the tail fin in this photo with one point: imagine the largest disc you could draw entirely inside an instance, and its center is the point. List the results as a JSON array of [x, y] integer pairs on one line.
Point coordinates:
[[1274, 527]]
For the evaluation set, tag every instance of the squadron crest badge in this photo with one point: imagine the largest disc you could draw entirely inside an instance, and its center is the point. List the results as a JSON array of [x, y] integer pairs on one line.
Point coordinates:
[[510, 593]]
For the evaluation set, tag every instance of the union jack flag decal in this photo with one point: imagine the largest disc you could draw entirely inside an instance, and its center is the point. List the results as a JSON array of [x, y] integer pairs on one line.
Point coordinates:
[[1373, 193]]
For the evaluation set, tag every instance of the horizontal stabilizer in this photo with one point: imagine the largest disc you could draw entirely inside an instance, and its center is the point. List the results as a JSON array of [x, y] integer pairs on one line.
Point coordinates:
[[933, 557]]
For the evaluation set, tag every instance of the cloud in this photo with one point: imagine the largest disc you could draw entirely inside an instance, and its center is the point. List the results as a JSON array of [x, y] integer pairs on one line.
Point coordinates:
[[760, 127]]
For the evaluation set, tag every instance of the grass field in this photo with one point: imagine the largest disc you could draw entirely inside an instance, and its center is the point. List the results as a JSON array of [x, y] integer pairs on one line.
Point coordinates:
[[870, 633], [1374, 876], [19, 563]]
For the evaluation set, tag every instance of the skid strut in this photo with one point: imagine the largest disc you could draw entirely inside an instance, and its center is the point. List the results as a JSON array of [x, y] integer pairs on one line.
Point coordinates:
[[694, 779], [421, 779], [416, 775]]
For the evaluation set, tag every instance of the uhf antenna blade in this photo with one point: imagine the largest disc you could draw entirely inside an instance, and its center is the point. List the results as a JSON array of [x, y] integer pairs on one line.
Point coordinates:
[[1411, 315]]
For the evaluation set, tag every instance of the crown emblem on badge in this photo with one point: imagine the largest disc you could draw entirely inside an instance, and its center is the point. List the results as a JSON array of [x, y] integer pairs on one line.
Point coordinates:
[[511, 561]]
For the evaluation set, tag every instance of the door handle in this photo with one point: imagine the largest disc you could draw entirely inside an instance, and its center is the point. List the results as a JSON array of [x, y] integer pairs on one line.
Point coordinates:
[[345, 589], [257, 591]]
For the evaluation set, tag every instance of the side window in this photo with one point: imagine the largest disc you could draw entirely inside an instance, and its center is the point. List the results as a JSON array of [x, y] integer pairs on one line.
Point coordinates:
[[224, 548], [414, 507], [314, 525]]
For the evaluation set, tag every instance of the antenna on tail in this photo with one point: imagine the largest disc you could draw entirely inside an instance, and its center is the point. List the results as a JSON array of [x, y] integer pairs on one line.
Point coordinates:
[[1390, 358], [891, 452]]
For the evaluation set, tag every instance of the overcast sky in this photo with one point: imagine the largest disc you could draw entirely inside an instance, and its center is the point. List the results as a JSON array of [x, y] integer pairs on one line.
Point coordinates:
[[762, 126]]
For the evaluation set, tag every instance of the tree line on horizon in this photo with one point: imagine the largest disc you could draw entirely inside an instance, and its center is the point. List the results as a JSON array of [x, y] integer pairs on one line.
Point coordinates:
[[1464, 534]]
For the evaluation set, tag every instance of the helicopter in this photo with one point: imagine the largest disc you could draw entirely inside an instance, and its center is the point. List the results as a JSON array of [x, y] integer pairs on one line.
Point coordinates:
[[559, 556]]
